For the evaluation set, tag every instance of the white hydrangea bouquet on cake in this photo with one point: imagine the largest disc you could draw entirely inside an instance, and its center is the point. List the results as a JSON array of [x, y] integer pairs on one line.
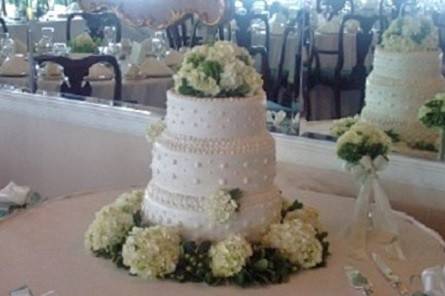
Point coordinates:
[[364, 148], [411, 33], [211, 212], [432, 115]]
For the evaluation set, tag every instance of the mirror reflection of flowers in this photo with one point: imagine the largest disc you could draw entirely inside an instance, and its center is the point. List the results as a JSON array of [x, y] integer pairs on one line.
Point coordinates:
[[432, 115], [363, 139], [221, 69]]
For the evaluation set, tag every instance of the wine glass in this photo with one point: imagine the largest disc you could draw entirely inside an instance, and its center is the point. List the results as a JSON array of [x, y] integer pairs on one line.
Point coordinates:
[[159, 44], [46, 43], [7, 45]]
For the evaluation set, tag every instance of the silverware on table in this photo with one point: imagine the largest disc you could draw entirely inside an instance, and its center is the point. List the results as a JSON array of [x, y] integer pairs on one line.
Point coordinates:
[[390, 276], [358, 281]]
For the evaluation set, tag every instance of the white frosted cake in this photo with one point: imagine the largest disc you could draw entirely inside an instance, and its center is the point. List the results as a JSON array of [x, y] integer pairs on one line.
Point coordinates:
[[210, 144], [406, 73], [398, 86]]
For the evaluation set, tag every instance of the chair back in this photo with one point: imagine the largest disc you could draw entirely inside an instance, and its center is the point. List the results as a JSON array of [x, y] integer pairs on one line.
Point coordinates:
[[244, 28], [331, 8], [76, 70], [96, 22], [265, 67], [220, 30], [3, 24], [177, 33]]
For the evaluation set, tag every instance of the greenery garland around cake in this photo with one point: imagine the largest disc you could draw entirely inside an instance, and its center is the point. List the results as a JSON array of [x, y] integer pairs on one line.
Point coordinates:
[[432, 115], [294, 244]]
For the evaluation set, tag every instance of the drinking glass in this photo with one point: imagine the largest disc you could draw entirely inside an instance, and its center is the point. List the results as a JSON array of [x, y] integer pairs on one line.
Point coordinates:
[[109, 39], [159, 44], [7, 45], [46, 43]]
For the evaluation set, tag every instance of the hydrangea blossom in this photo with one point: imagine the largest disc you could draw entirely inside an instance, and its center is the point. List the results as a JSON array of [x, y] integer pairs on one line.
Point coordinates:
[[342, 125], [154, 131], [296, 241], [152, 252], [363, 139], [408, 34], [220, 206], [109, 228], [221, 69], [432, 113], [130, 201], [229, 256], [306, 215]]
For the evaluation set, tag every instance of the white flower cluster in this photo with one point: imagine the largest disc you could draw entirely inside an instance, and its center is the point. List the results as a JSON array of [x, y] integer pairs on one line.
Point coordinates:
[[221, 69], [83, 43], [341, 126], [229, 256], [363, 139], [130, 201], [152, 252], [220, 206], [306, 215], [408, 34], [432, 113], [109, 228], [296, 241], [154, 130]]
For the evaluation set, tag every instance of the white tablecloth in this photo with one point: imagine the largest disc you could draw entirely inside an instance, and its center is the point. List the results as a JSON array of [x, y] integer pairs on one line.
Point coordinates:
[[43, 247], [149, 91]]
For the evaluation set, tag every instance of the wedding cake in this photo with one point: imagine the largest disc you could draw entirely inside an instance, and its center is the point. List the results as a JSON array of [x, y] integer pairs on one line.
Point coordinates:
[[211, 212], [406, 73]]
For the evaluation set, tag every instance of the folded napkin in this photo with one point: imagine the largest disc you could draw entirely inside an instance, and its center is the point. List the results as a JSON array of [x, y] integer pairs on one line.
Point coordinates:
[[17, 195], [151, 67], [277, 23], [52, 70], [139, 51], [15, 66], [100, 72], [20, 47], [173, 58], [133, 72]]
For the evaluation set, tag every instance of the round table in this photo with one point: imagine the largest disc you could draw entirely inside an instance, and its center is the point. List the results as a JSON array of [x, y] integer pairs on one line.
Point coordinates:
[[43, 248], [150, 91]]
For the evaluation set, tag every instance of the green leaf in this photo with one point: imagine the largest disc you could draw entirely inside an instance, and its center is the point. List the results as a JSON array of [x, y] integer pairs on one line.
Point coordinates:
[[235, 194]]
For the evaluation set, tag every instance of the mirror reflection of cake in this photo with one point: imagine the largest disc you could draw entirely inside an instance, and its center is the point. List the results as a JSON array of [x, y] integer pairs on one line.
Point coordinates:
[[407, 72]]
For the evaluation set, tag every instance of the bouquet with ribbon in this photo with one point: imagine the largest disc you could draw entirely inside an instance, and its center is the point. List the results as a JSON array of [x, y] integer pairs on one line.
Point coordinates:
[[364, 148]]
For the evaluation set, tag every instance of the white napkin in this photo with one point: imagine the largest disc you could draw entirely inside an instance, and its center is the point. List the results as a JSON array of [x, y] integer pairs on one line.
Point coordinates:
[[53, 70], [173, 58], [15, 194], [20, 47], [277, 23], [14, 66], [151, 67], [133, 72], [100, 72]]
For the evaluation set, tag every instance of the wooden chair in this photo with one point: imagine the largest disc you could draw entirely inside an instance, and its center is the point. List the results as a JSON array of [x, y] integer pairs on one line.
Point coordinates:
[[178, 33], [75, 70], [3, 25], [243, 32], [96, 22], [338, 78]]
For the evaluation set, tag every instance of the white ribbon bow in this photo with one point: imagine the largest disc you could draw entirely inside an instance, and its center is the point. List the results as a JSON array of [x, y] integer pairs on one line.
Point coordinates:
[[433, 280], [383, 223]]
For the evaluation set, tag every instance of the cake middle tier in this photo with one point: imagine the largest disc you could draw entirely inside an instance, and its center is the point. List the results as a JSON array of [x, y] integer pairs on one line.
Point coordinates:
[[197, 167]]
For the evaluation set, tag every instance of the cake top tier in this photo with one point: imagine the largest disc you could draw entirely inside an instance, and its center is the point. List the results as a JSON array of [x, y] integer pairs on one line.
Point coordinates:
[[411, 34], [215, 118], [221, 70]]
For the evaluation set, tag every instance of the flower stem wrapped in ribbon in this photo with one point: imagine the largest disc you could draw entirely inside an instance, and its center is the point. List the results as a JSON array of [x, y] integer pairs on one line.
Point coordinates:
[[432, 115], [364, 148]]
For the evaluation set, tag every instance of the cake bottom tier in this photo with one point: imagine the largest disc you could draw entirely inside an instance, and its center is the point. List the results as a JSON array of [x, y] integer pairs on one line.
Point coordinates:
[[257, 211]]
